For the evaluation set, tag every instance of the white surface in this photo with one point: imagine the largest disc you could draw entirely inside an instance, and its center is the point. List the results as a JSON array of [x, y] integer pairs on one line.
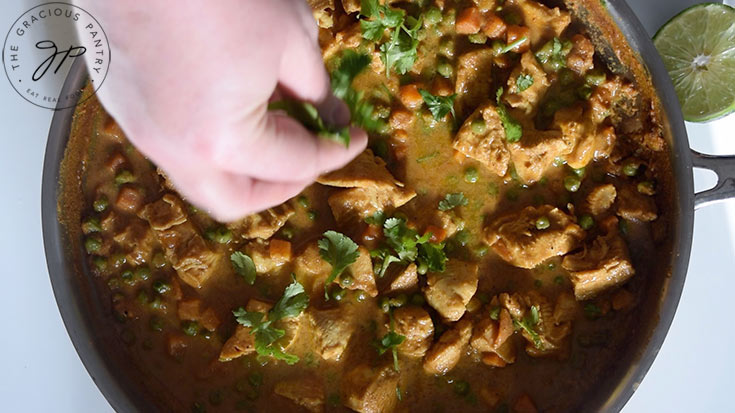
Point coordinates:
[[42, 372]]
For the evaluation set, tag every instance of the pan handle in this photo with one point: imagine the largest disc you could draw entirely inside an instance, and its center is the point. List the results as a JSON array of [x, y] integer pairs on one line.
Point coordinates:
[[724, 167]]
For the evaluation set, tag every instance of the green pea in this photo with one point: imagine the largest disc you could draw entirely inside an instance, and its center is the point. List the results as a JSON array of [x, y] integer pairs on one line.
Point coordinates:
[[113, 283], [580, 172], [288, 232], [91, 225], [449, 17], [586, 222], [584, 92], [646, 188], [445, 69], [255, 379], [418, 299], [142, 273], [100, 263], [423, 268], [595, 77], [446, 47], [470, 175], [345, 280], [339, 294], [190, 328], [303, 201], [497, 47], [481, 251], [127, 277], [477, 38], [542, 223], [461, 388], [118, 260], [360, 296], [161, 287], [313, 215], [630, 169], [550, 266], [572, 183], [544, 53], [92, 245], [537, 283], [124, 177], [398, 301], [558, 280], [433, 16], [479, 127], [100, 204], [157, 303], [462, 237], [381, 112], [156, 324], [143, 297], [384, 304]]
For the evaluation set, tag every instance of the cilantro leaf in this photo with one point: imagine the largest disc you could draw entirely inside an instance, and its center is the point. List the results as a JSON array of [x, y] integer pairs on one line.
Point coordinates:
[[438, 105], [400, 52], [528, 323], [293, 302], [338, 250], [433, 256], [402, 239], [513, 129], [381, 18], [452, 201], [384, 254], [389, 342], [372, 29], [244, 266], [350, 65], [377, 219], [524, 81], [309, 117], [369, 8]]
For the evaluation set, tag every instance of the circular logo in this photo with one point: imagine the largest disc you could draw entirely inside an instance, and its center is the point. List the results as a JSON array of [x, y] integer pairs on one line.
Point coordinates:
[[41, 46]]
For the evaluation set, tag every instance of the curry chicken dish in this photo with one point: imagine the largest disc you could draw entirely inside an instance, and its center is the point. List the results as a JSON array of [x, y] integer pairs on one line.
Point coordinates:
[[487, 252]]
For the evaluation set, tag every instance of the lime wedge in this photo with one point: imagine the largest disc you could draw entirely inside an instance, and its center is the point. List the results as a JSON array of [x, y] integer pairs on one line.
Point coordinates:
[[698, 50]]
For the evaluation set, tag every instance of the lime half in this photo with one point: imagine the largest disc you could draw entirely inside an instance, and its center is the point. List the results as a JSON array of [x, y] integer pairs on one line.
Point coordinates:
[[698, 50]]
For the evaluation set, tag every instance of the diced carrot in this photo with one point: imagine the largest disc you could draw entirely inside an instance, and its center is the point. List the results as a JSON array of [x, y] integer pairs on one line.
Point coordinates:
[[494, 26], [492, 359], [524, 404], [401, 119], [115, 161], [515, 33], [130, 198], [410, 96], [209, 319], [280, 250], [468, 21], [189, 309], [622, 299], [438, 234], [441, 87]]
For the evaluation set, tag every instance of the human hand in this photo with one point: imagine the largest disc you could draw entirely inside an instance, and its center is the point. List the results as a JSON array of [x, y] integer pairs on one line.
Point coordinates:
[[189, 85]]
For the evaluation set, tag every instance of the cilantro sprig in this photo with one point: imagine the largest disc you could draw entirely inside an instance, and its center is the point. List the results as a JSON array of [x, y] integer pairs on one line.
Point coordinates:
[[409, 246], [293, 302], [439, 106], [399, 53], [338, 250], [390, 341], [513, 129], [244, 266], [527, 324], [524, 81], [309, 117], [350, 65], [452, 201]]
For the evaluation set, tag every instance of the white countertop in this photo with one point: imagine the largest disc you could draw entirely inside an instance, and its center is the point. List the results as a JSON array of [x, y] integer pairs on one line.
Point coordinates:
[[695, 370]]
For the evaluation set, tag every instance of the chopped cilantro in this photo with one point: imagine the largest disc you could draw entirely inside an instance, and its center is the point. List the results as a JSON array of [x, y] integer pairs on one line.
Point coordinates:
[[427, 157], [244, 266], [513, 45], [439, 106], [451, 201], [513, 129], [432, 255], [389, 342], [384, 254], [293, 302], [350, 65], [307, 115], [377, 219], [338, 250], [380, 18], [524, 81], [527, 324], [402, 239], [399, 52]]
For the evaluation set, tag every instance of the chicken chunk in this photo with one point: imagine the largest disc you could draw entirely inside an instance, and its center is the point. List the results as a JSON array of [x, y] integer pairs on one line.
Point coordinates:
[[552, 338], [263, 224], [444, 355], [407, 280], [450, 291], [258, 250], [516, 238], [184, 246], [306, 392], [633, 205], [544, 23], [415, 324], [580, 57], [491, 337], [536, 152], [529, 71], [372, 189], [473, 80], [323, 11], [332, 331], [240, 344], [600, 266], [363, 277], [600, 199], [588, 139], [368, 389], [487, 147], [192, 310]]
